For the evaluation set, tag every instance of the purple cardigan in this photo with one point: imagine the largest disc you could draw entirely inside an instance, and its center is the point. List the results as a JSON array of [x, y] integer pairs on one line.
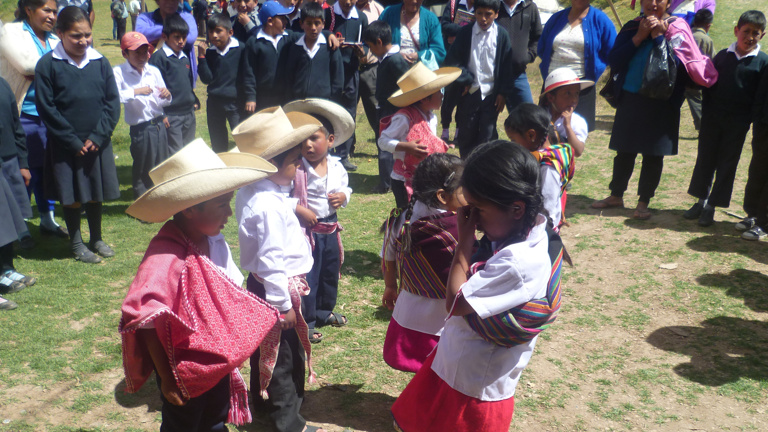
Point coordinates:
[[150, 24], [698, 5]]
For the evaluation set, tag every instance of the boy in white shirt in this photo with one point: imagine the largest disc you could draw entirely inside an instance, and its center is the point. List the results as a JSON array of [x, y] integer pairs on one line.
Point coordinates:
[[143, 92], [277, 255], [322, 187]]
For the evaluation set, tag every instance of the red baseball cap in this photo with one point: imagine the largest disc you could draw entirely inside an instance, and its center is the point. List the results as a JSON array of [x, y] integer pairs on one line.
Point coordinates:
[[133, 41]]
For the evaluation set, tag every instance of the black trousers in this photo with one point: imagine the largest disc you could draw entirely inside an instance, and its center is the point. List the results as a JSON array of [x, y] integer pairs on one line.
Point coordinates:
[[149, 147], [450, 100], [720, 143], [323, 279], [650, 175], [205, 413], [756, 191], [286, 389], [400, 193], [181, 132], [367, 94], [476, 120], [349, 102], [386, 159], [220, 111]]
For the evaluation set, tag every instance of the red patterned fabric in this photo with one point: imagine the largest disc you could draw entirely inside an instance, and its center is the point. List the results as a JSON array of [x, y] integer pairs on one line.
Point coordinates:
[[207, 324], [419, 131], [297, 287]]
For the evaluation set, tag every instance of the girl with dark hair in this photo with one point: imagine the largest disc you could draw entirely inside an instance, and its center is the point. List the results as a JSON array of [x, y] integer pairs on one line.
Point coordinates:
[[418, 248], [468, 383], [529, 126], [22, 44], [78, 101]]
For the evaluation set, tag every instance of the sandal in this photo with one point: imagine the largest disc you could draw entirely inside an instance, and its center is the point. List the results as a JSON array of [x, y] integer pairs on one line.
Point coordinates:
[[315, 336], [642, 213], [336, 320], [610, 202]]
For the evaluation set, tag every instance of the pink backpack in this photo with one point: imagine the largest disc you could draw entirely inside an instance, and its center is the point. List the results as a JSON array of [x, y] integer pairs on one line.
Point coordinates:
[[699, 67]]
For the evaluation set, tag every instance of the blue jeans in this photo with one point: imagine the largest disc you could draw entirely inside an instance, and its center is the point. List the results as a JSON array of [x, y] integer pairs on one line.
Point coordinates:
[[522, 93]]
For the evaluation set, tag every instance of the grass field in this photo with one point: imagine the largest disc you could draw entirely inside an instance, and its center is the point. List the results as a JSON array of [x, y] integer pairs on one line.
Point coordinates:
[[664, 324]]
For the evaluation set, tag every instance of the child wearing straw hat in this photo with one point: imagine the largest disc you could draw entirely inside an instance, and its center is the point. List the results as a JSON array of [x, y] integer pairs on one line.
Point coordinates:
[[277, 255], [322, 187], [411, 133], [186, 315]]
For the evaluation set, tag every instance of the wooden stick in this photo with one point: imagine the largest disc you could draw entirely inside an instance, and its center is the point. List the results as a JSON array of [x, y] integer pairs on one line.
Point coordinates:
[[616, 14]]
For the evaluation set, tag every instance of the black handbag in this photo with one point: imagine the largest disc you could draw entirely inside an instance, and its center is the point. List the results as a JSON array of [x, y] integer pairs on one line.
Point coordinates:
[[608, 92]]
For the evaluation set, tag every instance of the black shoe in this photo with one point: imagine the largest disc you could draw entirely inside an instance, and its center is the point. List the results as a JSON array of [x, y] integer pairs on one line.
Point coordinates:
[[102, 249], [87, 256], [754, 234], [6, 304], [26, 243], [8, 286], [746, 224], [59, 231], [693, 212], [707, 217], [348, 165]]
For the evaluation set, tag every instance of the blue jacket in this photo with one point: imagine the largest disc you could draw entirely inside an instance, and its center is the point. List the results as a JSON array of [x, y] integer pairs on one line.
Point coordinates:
[[430, 34], [599, 34]]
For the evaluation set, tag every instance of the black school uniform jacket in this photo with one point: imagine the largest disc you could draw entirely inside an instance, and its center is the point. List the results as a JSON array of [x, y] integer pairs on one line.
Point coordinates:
[[390, 70], [177, 74], [503, 66], [259, 70], [737, 84], [222, 73], [301, 77], [13, 140], [351, 30], [524, 29]]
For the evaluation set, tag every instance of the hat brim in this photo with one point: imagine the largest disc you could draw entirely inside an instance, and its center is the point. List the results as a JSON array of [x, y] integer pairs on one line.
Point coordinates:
[[445, 76], [583, 84], [164, 200], [342, 122], [284, 143], [235, 158]]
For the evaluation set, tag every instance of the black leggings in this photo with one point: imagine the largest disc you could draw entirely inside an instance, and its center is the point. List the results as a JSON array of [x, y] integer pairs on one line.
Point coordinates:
[[650, 175]]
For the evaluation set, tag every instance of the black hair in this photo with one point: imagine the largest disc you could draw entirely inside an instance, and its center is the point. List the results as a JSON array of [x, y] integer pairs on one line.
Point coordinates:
[[487, 4], [279, 159], [703, 18], [501, 173], [378, 30], [219, 20], [312, 10], [32, 4], [70, 16], [175, 24], [754, 17], [527, 116]]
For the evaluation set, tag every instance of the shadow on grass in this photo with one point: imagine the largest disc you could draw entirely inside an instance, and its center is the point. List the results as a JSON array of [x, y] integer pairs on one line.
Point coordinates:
[[604, 123], [748, 285], [348, 407], [722, 350], [360, 263], [364, 183], [757, 251], [148, 395]]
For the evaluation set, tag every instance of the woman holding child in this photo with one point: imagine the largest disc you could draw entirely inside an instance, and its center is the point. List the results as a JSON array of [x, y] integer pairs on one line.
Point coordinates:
[[21, 46], [417, 31]]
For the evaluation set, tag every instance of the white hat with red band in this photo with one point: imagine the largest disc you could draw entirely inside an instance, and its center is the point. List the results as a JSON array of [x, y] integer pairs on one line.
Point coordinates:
[[563, 77]]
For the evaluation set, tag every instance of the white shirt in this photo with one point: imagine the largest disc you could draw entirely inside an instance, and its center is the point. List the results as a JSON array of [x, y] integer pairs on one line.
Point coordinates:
[[397, 132], [421, 314], [752, 53], [407, 45], [578, 124], [511, 10], [233, 43], [466, 6], [481, 58], [140, 108], [352, 12], [222, 257], [273, 40], [169, 52], [272, 245], [513, 276], [134, 7], [90, 54], [568, 50], [318, 188], [311, 52], [392, 51], [550, 192]]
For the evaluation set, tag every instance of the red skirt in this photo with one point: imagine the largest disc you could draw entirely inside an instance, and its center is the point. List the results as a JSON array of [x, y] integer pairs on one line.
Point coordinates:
[[429, 404], [406, 349]]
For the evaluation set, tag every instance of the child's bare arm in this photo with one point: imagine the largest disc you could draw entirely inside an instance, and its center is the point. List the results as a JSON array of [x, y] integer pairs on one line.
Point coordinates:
[[413, 148], [573, 139], [162, 366], [390, 285], [307, 217], [336, 199], [467, 221]]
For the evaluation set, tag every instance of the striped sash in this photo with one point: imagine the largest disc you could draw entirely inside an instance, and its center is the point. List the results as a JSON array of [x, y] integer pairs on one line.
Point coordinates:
[[424, 269], [521, 324], [559, 157]]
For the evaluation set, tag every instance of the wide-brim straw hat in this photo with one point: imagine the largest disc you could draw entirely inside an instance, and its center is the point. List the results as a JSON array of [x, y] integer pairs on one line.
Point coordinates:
[[562, 77], [420, 82], [340, 120], [271, 132], [193, 175]]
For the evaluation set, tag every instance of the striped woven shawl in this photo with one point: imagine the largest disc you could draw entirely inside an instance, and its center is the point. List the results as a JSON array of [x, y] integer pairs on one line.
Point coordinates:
[[521, 324], [559, 157]]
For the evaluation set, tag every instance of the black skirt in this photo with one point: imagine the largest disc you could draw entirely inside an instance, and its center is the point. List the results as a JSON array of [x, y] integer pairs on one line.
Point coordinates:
[[80, 179], [645, 126], [12, 175], [12, 221]]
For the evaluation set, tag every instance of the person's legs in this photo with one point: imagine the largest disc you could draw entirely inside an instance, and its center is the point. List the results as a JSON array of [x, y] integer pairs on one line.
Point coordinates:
[[650, 176], [349, 102], [72, 220], [757, 177], [141, 155], [400, 193], [309, 302], [93, 213], [450, 100], [586, 106], [693, 96], [121, 22], [188, 128], [521, 94], [328, 287], [486, 124], [207, 412], [623, 166], [728, 157], [710, 140], [468, 121], [217, 124], [175, 133], [114, 28], [367, 93]]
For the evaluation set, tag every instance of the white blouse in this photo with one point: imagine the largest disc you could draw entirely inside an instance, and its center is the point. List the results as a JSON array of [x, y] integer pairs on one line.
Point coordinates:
[[513, 276], [568, 50], [407, 45]]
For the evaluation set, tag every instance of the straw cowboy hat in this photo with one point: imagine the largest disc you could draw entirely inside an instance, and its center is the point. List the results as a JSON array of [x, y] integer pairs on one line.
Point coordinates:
[[194, 175], [342, 125], [563, 77], [271, 132], [420, 82]]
